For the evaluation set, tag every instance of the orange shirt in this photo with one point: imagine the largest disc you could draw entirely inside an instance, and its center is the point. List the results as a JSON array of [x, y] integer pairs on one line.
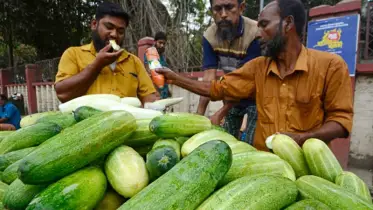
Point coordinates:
[[317, 91], [128, 79]]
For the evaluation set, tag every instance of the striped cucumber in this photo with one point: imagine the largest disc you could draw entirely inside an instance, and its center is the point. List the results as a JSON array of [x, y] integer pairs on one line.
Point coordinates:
[[173, 125], [11, 157], [142, 136], [188, 183], [253, 192], [354, 184], [81, 190], [160, 160], [308, 204], [3, 188], [255, 163], [64, 120], [84, 112], [336, 197], [321, 160], [76, 147], [10, 173], [168, 142], [287, 149]]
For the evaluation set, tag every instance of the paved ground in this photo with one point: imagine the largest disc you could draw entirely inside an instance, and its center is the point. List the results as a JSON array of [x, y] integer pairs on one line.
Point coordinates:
[[366, 175]]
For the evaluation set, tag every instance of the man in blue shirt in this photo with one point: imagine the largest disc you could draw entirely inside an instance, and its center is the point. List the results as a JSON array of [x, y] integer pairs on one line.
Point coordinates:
[[160, 40], [10, 116], [227, 45]]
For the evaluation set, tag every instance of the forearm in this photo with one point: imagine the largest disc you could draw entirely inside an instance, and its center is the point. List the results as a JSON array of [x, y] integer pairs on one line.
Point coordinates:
[[78, 84], [3, 120], [329, 131], [149, 98], [197, 87]]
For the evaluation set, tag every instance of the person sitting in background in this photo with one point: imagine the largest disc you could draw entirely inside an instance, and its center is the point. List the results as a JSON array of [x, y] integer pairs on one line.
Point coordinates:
[[10, 116], [160, 41]]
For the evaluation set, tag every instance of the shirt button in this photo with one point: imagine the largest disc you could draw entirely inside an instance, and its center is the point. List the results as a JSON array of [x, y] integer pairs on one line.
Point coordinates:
[[115, 74]]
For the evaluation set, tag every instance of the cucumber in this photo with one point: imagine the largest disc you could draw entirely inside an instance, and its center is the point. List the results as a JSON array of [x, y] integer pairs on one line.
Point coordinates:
[[11, 157], [20, 195], [354, 184], [29, 136], [321, 160], [142, 136], [126, 171], [10, 173], [287, 149], [308, 204], [85, 112], [64, 120], [209, 135], [254, 193], [216, 127], [255, 163], [143, 150], [76, 147], [31, 119], [3, 188], [4, 134], [336, 197], [160, 160], [173, 125], [188, 183], [111, 201], [168, 142], [81, 190], [181, 140]]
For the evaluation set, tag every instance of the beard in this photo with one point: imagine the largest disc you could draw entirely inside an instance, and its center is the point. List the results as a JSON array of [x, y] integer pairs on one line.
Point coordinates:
[[226, 30], [99, 43], [274, 47]]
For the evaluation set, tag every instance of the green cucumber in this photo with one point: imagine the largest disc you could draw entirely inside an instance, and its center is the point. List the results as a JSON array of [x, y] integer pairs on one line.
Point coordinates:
[[81, 190], [308, 204], [173, 125], [216, 127], [85, 112], [76, 147], [3, 189], [64, 120], [11, 172], [254, 193], [160, 160], [354, 184], [29, 136], [31, 119], [143, 150], [188, 183], [111, 201], [255, 163], [20, 195], [181, 140], [168, 142], [142, 136], [4, 134], [321, 160], [11, 157], [336, 197]]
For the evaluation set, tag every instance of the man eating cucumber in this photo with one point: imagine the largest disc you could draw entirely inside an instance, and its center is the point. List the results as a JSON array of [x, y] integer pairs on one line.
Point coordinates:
[[103, 67], [300, 92]]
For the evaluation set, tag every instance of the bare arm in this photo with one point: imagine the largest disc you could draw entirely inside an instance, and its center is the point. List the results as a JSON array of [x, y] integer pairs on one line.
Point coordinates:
[[208, 76], [149, 98], [3, 120], [221, 113], [197, 87]]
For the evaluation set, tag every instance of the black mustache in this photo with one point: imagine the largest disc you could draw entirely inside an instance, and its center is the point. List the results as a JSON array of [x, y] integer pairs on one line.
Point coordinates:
[[225, 22]]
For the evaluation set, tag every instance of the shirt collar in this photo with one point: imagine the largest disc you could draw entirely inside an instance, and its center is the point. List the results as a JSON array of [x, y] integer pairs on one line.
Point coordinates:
[[91, 48], [241, 27], [300, 65]]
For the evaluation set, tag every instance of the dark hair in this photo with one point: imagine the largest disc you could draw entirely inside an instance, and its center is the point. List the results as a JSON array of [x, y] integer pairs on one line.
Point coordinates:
[[160, 36], [111, 9], [3, 97], [239, 1], [296, 9]]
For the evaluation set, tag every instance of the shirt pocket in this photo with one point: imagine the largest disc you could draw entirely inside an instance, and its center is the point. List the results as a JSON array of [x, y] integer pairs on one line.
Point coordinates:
[[306, 113], [127, 83], [269, 110]]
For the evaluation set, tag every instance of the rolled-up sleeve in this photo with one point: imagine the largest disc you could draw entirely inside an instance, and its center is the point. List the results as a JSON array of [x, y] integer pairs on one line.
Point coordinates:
[[237, 85], [338, 102]]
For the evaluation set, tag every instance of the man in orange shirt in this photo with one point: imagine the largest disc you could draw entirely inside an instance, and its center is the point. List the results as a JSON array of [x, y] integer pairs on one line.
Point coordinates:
[[300, 92], [95, 69]]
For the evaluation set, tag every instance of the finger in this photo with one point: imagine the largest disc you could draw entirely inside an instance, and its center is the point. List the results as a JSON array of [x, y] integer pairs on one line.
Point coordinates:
[[106, 48]]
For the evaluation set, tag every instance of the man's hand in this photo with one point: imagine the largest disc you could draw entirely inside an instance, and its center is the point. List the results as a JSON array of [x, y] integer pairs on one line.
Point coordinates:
[[300, 138], [104, 57], [167, 73], [217, 118]]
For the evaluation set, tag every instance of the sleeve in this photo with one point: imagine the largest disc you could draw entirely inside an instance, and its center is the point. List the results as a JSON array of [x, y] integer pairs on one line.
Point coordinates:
[[253, 51], [9, 111], [237, 85], [67, 66], [146, 86], [338, 101], [210, 59]]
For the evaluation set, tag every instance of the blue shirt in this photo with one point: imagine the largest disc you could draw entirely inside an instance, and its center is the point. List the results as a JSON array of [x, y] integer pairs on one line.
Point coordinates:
[[11, 112]]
